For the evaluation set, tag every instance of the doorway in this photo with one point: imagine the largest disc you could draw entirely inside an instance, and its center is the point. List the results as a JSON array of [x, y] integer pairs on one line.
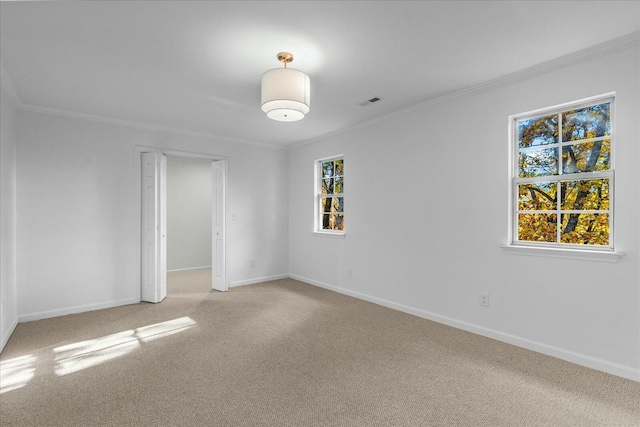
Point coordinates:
[[151, 171], [189, 204]]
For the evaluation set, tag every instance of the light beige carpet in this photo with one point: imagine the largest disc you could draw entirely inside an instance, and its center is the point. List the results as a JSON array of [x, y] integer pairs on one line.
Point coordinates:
[[284, 353]]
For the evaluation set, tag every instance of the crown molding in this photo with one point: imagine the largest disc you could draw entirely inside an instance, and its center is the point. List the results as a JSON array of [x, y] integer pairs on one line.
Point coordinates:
[[6, 82], [142, 126], [607, 48], [619, 44]]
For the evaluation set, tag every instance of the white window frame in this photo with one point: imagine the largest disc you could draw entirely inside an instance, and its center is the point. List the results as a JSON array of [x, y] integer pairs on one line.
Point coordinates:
[[593, 252], [317, 224]]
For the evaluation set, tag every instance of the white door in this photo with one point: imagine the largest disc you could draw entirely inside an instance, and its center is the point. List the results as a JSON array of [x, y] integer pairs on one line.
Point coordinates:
[[154, 227], [218, 222], [162, 214]]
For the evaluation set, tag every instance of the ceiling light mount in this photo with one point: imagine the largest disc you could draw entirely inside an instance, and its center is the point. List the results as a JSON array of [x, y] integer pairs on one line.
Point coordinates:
[[286, 92], [285, 58]]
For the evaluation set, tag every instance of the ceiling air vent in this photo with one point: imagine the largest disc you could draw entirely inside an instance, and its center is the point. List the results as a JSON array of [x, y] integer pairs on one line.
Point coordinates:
[[370, 101]]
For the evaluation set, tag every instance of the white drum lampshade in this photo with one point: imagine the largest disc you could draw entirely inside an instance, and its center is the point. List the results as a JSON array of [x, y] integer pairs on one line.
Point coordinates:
[[286, 92]]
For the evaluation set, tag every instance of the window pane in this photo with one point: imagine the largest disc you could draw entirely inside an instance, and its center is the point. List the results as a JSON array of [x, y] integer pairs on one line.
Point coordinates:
[[585, 229], [338, 185], [586, 157], [326, 222], [538, 131], [537, 227], [538, 163], [331, 205], [337, 204], [325, 209], [590, 122], [327, 186], [327, 169], [339, 221], [325, 205], [333, 221], [339, 164], [537, 196], [590, 194]]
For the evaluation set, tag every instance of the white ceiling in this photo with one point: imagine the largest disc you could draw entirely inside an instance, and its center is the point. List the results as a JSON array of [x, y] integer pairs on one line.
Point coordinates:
[[196, 66]]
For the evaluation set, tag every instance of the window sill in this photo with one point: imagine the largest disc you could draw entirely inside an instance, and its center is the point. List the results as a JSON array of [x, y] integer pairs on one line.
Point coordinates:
[[333, 235], [563, 253]]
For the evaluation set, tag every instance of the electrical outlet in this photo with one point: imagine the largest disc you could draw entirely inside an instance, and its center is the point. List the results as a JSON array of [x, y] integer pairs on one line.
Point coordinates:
[[484, 300], [349, 272]]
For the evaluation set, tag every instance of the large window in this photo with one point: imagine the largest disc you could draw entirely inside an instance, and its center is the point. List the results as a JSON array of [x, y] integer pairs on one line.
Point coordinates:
[[563, 177], [330, 195]]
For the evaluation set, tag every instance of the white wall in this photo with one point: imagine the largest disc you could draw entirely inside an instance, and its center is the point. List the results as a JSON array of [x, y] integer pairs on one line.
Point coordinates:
[[189, 201], [427, 210], [8, 290], [78, 211]]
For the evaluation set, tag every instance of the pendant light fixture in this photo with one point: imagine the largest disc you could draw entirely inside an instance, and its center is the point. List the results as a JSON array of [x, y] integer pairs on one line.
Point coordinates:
[[286, 92]]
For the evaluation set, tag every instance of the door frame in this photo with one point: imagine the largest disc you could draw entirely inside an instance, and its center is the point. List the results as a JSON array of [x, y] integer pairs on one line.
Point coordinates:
[[138, 205]]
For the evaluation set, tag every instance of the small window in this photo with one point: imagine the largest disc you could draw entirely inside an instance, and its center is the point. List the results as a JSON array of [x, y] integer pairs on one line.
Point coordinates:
[[563, 176], [330, 195]]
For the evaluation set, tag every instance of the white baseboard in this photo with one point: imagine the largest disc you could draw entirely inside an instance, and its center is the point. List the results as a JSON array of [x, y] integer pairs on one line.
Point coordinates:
[[258, 280], [77, 309], [190, 268], [570, 356], [5, 337]]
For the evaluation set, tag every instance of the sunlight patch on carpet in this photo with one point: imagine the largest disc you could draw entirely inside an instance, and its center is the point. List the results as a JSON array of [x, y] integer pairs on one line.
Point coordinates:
[[17, 372], [86, 354]]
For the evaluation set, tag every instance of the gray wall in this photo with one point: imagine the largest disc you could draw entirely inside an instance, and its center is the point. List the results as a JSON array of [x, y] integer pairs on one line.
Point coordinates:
[[78, 245], [189, 187], [434, 244], [8, 290]]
